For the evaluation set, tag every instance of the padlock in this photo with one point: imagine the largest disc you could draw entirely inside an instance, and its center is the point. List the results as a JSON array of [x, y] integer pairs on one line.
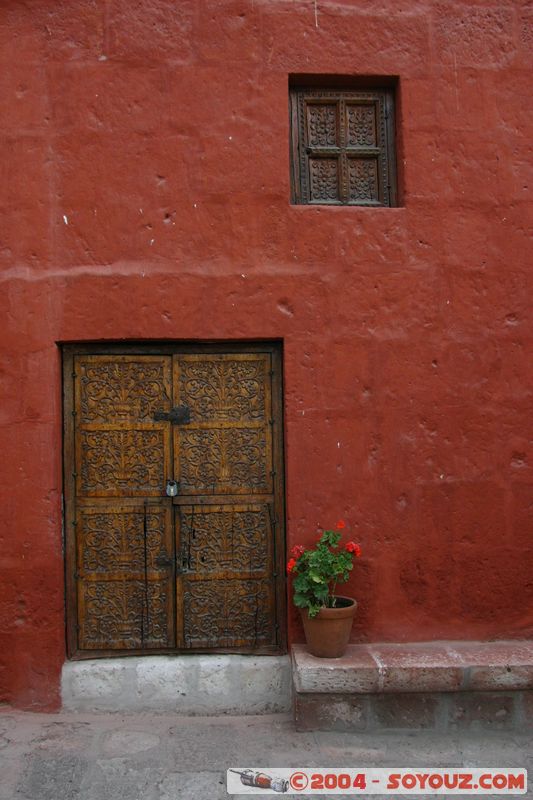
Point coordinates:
[[172, 488]]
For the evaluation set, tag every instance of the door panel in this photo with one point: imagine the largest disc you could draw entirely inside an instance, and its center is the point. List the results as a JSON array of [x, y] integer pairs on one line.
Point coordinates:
[[233, 540], [227, 558], [222, 460], [224, 388], [198, 571], [116, 461], [125, 597], [125, 600], [227, 614], [120, 450], [226, 448], [122, 388]]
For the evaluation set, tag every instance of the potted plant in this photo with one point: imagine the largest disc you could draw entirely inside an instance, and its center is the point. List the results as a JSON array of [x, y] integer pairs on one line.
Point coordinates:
[[327, 618]]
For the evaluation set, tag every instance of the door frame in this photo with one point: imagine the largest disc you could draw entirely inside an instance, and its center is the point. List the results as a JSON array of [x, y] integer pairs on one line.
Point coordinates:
[[69, 351]]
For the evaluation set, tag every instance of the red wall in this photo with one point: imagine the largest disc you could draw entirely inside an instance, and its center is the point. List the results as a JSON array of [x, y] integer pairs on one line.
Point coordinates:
[[145, 194]]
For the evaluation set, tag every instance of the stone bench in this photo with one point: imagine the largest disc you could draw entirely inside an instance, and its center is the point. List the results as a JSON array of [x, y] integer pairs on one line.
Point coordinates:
[[434, 686]]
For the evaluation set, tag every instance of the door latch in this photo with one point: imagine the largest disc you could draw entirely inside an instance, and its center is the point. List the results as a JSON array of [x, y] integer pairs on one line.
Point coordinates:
[[179, 415], [183, 560]]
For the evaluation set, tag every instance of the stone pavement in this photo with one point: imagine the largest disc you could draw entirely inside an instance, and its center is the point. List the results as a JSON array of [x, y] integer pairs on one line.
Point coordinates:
[[105, 756]]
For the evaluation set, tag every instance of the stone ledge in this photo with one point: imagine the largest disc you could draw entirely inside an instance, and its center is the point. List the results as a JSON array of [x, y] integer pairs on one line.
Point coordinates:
[[413, 711], [189, 684], [419, 667]]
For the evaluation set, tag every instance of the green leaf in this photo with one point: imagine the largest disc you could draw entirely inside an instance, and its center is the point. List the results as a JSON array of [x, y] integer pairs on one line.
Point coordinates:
[[300, 600]]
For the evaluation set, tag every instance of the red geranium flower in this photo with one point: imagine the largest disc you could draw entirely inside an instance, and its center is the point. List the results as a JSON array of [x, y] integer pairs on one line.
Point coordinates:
[[340, 525], [298, 550], [352, 547], [291, 564]]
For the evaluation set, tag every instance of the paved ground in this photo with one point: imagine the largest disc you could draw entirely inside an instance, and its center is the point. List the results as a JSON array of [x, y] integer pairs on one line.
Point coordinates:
[[167, 757]]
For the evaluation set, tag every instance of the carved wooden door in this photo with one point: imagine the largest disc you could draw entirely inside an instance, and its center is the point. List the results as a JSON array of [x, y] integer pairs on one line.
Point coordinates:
[[199, 571]]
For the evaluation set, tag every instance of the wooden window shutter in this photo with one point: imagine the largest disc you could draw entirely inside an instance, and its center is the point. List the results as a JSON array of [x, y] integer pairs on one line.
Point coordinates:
[[342, 147]]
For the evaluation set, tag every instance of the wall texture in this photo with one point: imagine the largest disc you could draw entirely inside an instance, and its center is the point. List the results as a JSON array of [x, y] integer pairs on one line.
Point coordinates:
[[145, 195]]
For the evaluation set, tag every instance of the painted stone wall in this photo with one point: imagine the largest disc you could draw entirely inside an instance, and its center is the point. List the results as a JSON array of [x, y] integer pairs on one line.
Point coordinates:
[[145, 195]]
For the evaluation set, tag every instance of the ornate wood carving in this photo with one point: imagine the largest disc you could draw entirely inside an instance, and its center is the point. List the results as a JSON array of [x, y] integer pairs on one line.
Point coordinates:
[[219, 390], [194, 571], [226, 538], [342, 147], [113, 539], [322, 125], [227, 613], [124, 614], [226, 448], [119, 390], [324, 179], [125, 595], [131, 461], [120, 451], [363, 179], [223, 460], [228, 594], [361, 128]]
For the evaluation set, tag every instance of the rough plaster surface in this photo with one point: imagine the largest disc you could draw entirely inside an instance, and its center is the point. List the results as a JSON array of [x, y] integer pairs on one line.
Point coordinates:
[[204, 685], [145, 195]]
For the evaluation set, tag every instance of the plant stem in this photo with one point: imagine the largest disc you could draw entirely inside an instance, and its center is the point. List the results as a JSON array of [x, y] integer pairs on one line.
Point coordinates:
[[332, 599]]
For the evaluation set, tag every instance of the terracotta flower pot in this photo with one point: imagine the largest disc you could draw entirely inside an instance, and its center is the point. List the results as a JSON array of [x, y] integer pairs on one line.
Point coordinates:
[[328, 633]]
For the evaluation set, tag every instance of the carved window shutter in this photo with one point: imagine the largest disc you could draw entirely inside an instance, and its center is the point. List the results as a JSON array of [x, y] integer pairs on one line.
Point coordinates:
[[343, 148]]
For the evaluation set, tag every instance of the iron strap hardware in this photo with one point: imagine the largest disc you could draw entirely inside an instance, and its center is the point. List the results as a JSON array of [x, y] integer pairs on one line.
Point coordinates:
[[145, 603], [163, 560], [179, 415]]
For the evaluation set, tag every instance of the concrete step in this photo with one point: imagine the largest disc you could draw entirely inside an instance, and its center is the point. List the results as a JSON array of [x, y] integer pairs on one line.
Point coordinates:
[[430, 685], [187, 684]]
